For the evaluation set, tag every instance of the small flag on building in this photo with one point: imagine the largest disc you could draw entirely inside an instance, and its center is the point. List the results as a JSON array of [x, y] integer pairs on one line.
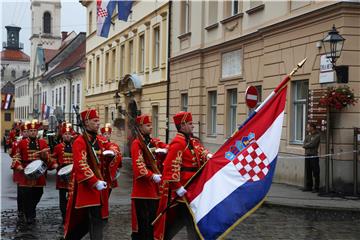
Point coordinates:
[[6, 103], [46, 111], [105, 10]]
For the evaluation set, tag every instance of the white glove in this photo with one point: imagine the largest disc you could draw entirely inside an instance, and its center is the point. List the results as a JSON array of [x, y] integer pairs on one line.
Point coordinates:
[[100, 185], [161, 150], [156, 178], [209, 155], [181, 191]]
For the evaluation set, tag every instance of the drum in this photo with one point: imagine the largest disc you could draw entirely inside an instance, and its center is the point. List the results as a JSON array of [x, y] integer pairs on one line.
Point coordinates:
[[65, 172], [109, 153], [35, 169]]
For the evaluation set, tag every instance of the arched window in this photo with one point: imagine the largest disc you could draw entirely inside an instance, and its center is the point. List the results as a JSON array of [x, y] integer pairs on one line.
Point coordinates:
[[13, 73], [47, 22]]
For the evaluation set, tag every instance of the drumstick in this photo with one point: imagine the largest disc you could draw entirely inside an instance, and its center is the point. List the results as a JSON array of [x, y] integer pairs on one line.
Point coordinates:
[[44, 150]]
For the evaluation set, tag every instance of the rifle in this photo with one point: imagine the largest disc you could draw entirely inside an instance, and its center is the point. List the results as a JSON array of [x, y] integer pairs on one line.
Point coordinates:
[[148, 155], [93, 159]]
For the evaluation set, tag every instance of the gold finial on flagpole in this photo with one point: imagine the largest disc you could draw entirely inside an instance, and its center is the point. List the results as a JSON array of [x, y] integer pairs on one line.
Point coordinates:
[[299, 65]]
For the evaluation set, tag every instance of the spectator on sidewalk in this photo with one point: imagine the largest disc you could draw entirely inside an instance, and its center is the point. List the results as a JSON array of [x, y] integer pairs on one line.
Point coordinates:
[[312, 168]]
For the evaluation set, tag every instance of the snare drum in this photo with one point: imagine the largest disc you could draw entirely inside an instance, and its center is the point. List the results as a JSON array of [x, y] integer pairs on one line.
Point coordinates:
[[35, 169], [65, 172], [109, 153]]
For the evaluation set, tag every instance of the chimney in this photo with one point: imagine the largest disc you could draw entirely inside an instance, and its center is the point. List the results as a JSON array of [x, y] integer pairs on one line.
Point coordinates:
[[63, 35]]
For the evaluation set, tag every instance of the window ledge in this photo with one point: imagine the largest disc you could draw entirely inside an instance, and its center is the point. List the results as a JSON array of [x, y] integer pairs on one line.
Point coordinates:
[[231, 78], [212, 26], [255, 9], [231, 18], [211, 135], [184, 35], [293, 142], [155, 69]]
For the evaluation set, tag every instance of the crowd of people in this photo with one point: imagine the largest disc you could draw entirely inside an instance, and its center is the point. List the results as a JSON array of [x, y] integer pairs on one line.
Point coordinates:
[[88, 164]]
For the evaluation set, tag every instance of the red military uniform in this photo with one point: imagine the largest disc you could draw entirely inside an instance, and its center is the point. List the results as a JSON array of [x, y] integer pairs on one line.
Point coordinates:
[[185, 157], [145, 192], [83, 195], [28, 150], [112, 163], [62, 156]]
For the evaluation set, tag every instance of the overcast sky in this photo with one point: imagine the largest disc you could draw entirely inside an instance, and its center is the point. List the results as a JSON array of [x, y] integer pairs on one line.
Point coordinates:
[[73, 18]]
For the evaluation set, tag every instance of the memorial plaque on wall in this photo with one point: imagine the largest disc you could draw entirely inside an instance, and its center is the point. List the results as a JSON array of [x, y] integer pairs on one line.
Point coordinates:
[[316, 113]]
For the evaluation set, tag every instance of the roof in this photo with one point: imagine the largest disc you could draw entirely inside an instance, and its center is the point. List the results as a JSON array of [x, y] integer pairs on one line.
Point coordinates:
[[9, 87], [49, 54], [14, 55], [75, 60]]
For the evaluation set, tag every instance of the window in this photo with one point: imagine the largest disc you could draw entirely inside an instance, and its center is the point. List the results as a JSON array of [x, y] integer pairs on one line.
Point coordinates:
[[156, 54], [24, 72], [155, 120], [64, 99], [78, 94], [106, 114], [90, 22], [184, 102], [2, 72], [231, 8], [107, 66], [60, 96], [7, 117], [299, 97], [122, 63], [47, 22], [142, 53], [113, 64], [131, 56], [213, 8], [89, 74], [231, 64], [52, 98], [185, 16], [212, 113], [231, 109], [13, 73], [56, 98], [234, 7], [97, 71], [72, 98]]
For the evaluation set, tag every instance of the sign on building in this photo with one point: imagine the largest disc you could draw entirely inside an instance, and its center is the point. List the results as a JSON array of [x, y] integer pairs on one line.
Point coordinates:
[[327, 75]]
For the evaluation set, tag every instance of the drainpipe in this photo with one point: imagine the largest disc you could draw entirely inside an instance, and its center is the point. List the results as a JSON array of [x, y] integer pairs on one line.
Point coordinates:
[[168, 76]]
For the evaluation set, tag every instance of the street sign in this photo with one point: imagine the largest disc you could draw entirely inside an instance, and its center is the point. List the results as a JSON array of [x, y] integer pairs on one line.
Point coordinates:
[[316, 113], [251, 96]]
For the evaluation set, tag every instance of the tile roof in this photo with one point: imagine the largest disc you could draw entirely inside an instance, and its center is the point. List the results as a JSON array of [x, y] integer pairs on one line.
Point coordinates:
[[49, 54], [14, 55]]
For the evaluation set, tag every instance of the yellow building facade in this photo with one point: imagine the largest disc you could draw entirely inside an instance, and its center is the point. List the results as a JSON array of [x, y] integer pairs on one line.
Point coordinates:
[[132, 61]]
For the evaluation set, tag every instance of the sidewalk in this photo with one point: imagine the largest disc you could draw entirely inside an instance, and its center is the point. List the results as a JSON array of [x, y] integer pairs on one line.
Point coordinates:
[[292, 196]]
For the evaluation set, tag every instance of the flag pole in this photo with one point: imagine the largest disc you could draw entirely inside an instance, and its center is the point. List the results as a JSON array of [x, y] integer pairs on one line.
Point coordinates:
[[282, 84]]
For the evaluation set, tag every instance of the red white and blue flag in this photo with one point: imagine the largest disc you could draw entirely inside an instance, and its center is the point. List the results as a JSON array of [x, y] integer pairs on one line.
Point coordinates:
[[235, 181], [6, 102], [105, 10], [46, 111]]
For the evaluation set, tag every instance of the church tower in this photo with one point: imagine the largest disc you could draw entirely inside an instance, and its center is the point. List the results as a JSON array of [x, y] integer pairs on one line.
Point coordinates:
[[45, 27]]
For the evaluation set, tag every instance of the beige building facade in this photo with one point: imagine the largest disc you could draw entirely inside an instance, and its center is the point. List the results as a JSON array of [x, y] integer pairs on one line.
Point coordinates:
[[132, 61], [219, 48]]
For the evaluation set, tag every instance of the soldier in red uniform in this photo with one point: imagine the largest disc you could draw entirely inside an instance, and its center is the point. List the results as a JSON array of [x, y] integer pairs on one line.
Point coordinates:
[[113, 158], [61, 157], [28, 150], [88, 196], [16, 173], [185, 157], [145, 193]]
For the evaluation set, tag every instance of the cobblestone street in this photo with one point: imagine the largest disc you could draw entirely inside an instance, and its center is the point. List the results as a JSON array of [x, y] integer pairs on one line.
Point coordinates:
[[266, 223]]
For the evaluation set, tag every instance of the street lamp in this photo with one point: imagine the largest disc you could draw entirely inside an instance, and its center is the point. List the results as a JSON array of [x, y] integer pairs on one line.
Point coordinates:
[[333, 44], [117, 99]]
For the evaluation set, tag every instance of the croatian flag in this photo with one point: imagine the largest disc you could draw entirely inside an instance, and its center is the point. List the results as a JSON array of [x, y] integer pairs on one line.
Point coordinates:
[[46, 111], [105, 9], [235, 181], [7, 101]]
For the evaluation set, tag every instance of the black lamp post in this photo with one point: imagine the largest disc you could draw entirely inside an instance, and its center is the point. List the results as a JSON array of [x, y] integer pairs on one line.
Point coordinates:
[[333, 44], [117, 99]]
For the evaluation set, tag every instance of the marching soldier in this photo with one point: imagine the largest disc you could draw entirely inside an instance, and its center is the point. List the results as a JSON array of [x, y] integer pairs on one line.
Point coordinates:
[[28, 150], [16, 173], [185, 157], [113, 158], [146, 177], [61, 157], [88, 196]]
